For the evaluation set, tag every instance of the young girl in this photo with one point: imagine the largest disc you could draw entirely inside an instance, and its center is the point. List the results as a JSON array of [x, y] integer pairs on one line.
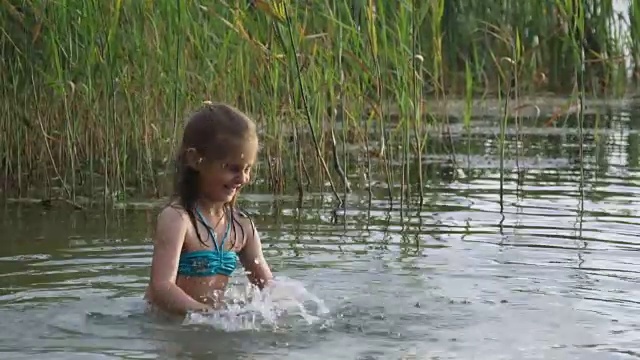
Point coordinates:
[[200, 236]]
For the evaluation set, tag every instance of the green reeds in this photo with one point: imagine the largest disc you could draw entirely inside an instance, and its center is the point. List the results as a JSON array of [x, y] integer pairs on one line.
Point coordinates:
[[93, 93]]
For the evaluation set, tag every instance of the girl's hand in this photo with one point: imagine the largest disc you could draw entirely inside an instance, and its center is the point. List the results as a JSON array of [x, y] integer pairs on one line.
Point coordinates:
[[252, 258], [253, 261]]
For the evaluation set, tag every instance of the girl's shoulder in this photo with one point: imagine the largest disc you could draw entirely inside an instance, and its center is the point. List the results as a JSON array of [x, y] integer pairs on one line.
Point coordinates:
[[248, 227], [244, 218], [171, 225], [173, 211]]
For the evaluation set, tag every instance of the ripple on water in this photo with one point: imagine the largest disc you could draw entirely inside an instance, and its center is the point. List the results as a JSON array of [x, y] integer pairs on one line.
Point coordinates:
[[548, 273]]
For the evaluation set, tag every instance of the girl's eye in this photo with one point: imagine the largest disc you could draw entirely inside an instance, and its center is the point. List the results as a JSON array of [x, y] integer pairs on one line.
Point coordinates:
[[238, 168]]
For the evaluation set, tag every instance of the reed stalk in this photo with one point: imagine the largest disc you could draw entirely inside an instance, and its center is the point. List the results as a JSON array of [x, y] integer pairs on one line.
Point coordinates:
[[579, 25]]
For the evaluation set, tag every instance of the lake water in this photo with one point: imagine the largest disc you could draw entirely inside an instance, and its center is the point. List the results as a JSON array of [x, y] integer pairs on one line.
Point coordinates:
[[554, 275]]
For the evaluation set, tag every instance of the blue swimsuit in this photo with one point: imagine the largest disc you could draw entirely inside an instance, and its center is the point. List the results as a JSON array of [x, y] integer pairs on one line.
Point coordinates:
[[217, 261]]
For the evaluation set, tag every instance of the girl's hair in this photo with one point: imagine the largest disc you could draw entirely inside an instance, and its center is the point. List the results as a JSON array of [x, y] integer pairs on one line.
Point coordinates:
[[215, 131]]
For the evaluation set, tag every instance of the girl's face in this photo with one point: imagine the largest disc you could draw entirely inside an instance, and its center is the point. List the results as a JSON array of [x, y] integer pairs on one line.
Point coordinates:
[[220, 180]]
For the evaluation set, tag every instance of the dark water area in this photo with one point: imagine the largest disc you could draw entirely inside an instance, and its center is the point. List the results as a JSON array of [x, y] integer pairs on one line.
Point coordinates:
[[552, 272]]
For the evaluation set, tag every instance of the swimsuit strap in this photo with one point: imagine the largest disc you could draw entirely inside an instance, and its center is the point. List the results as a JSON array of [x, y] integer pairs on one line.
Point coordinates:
[[212, 233]]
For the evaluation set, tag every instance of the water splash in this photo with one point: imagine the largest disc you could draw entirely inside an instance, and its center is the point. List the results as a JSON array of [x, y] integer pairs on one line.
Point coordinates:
[[282, 304]]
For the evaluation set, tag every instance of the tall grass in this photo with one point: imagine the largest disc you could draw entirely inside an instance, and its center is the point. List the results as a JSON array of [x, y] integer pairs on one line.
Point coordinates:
[[93, 92]]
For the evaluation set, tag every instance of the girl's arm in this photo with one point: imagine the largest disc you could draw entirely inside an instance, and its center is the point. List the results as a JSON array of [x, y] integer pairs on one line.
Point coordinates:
[[252, 259], [167, 245]]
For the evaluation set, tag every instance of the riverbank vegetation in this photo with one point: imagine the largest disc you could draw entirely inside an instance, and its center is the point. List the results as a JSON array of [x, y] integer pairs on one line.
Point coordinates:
[[93, 93]]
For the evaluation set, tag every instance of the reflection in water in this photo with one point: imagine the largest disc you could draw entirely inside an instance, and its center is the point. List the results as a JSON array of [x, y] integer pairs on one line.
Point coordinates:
[[547, 273]]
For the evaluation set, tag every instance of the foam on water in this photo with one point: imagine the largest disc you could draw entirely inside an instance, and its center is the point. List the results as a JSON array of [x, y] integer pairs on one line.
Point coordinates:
[[284, 302]]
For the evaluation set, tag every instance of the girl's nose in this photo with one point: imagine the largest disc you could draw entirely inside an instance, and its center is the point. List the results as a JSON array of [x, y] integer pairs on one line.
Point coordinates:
[[242, 178], [245, 178]]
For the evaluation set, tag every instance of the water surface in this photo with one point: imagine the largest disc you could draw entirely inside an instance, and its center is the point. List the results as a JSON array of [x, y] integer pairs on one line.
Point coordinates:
[[551, 273]]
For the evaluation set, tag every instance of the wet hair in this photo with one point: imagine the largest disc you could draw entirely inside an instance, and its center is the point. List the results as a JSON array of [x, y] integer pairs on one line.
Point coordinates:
[[216, 131]]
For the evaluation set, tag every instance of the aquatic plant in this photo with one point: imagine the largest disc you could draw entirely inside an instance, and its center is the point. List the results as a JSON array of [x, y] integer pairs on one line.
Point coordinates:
[[93, 93]]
